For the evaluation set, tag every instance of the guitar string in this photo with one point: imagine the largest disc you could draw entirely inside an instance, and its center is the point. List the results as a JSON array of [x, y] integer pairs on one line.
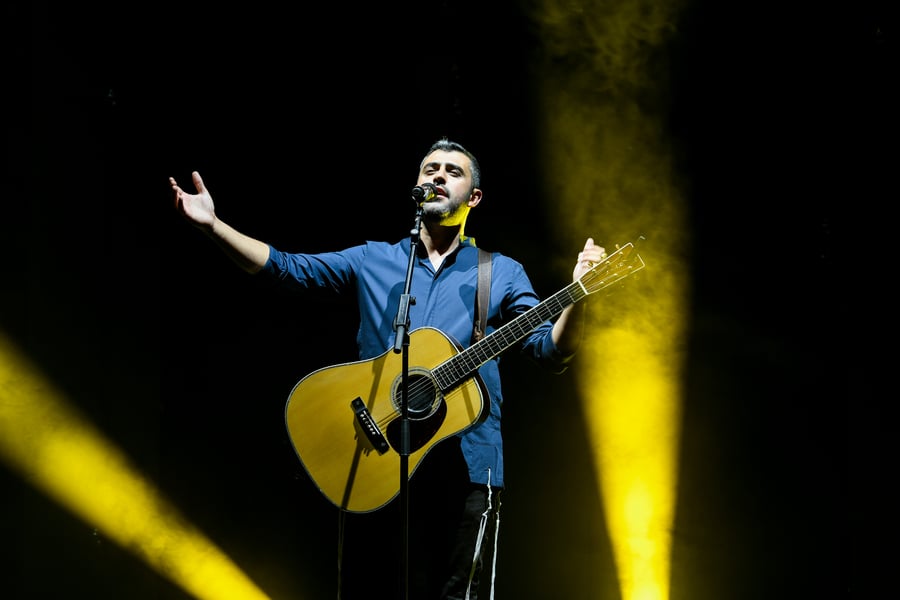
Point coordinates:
[[431, 382], [460, 368]]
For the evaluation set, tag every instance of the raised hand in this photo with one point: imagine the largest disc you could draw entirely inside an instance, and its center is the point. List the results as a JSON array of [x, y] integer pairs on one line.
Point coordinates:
[[198, 208]]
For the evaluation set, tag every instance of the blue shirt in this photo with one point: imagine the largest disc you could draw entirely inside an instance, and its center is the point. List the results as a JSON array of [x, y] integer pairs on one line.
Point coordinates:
[[444, 300]]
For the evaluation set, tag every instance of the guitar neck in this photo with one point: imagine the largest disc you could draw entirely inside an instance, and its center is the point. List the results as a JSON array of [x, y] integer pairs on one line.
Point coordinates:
[[620, 264], [461, 366]]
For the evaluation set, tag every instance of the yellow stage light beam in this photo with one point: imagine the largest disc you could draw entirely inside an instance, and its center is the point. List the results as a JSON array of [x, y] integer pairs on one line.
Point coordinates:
[[58, 451], [601, 90]]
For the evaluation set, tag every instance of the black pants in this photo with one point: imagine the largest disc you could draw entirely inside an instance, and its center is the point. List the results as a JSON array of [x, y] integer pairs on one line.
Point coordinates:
[[445, 513]]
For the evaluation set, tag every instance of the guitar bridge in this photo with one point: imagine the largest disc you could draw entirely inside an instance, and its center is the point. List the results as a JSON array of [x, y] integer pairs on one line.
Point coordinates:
[[367, 424]]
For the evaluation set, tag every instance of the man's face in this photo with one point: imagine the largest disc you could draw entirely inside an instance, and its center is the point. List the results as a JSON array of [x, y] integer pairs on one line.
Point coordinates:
[[451, 175]]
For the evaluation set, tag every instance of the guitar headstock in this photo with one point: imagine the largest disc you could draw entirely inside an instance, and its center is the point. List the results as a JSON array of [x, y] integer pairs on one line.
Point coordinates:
[[617, 266]]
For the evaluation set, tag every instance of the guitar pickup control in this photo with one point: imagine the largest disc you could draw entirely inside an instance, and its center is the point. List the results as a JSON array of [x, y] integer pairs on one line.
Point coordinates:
[[364, 418]]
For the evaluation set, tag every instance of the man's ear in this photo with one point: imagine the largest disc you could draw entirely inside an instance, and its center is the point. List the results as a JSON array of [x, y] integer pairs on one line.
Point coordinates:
[[474, 198]]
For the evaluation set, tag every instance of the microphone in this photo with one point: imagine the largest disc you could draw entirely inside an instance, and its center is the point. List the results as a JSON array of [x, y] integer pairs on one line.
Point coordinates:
[[424, 192]]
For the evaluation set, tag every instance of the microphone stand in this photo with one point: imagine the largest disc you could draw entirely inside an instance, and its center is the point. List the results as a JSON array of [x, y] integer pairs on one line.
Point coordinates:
[[401, 344]]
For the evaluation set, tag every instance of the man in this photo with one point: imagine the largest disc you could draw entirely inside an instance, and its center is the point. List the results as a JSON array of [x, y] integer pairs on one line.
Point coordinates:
[[461, 477]]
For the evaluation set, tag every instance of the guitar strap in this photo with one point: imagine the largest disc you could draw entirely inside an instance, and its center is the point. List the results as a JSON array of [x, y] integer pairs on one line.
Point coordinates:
[[482, 294]]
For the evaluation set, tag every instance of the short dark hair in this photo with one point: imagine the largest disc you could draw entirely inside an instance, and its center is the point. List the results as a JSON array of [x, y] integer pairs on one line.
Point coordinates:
[[450, 146]]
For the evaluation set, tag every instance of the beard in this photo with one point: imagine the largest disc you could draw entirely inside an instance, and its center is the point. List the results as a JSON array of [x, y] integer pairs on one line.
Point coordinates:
[[438, 208]]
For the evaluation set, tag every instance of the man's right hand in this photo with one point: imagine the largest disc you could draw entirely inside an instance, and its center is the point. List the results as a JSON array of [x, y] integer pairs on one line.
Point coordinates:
[[197, 208]]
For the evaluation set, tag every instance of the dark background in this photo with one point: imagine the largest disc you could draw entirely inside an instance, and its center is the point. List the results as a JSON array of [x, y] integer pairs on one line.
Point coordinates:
[[304, 123]]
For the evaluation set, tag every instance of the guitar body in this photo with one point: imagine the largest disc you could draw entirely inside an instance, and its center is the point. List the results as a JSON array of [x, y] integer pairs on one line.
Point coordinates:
[[344, 420]]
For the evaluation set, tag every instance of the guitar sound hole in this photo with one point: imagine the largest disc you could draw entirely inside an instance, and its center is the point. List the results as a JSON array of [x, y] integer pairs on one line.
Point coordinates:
[[422, 395]]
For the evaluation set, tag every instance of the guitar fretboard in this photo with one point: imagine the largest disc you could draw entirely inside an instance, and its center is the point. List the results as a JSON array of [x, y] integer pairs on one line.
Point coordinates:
[[459, 368]]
